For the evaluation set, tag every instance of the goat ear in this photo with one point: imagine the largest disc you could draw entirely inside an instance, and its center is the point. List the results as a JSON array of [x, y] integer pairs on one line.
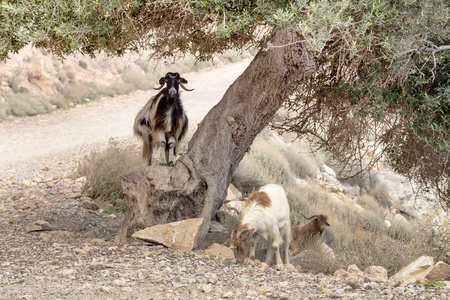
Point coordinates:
[[162, 80], [182, 80]]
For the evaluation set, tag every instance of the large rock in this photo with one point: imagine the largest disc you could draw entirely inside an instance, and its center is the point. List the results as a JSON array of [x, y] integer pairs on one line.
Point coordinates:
[[404, 194], [400, 220], [439, 272], [376, 272], [233, 194], [180, 235], [354, 270], [415, 271], [39, 225]]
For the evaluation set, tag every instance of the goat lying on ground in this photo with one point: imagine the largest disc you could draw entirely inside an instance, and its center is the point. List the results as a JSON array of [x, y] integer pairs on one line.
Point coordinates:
[[265, 215], [163, 121], [301, 234]]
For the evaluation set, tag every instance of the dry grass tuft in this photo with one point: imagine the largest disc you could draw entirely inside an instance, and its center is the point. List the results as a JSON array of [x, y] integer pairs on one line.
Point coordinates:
[[356, 237], [104, 170]]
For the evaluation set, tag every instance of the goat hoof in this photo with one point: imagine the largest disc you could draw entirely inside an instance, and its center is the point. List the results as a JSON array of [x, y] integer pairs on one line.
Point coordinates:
[[279, 267], [170, 164]]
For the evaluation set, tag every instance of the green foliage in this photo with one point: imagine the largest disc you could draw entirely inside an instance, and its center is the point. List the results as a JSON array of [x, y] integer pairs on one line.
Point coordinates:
[[138, 80], [83, 64], [24, 104], [433, 284]]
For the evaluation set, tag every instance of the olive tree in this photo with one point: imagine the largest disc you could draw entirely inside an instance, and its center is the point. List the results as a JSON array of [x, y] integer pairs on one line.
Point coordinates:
[[359, 79]]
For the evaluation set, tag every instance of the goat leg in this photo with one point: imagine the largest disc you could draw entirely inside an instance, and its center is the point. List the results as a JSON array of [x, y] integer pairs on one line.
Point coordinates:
[[279, 262], [166, 150], [269, 253]]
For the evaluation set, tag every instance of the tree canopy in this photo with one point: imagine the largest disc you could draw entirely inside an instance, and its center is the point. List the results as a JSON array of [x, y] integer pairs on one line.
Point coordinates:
[[380, 84]]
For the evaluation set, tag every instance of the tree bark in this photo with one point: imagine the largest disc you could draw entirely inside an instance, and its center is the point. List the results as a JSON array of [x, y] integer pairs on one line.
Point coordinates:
[[197, 185]]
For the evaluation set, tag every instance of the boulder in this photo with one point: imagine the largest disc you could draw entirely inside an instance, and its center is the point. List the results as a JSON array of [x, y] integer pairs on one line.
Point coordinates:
[[341, 273], [354, 281], [354, 270], [89, 205], [327, 170], [233, 194], [404, 194], [415, 271], [39, 225], [387, 223], [439, 272], [400, 220], [180, 235], [377, 273], [217, 228]]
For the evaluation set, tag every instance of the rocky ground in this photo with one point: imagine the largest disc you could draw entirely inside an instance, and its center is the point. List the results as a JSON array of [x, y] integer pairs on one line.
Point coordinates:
[[79, 260], [76, 258]]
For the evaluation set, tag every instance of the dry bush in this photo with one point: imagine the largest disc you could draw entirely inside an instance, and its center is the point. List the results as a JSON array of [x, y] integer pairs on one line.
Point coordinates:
[[5, 110], [356, 237], [302, 166], [371, 248], [433, 240], [380, 192], [59, 101], [137, 79], [371, 204], [25, 104], [314, 258], [105, 168], [65, 74], [248, 176], [83, 64], [79, 91]]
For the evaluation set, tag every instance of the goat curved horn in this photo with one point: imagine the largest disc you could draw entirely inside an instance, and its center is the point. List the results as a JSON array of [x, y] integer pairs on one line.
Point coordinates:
[[309, 217], [185, 88], [160, 87], [238, 235]]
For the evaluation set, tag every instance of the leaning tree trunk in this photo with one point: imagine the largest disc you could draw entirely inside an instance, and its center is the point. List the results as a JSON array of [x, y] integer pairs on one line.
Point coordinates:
[[197, 185]]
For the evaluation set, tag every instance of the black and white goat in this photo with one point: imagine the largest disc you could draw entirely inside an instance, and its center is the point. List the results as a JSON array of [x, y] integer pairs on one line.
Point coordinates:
[[163, 121]]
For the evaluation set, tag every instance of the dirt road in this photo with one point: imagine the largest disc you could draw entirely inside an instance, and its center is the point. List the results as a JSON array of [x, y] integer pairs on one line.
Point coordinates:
[[65, 132]]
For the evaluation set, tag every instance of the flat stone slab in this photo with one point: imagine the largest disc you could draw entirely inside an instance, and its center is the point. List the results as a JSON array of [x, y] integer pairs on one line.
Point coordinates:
[[180, 235]]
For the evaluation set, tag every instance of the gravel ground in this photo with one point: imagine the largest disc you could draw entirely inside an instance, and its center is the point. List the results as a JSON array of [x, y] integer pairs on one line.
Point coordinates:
[[79, 260]]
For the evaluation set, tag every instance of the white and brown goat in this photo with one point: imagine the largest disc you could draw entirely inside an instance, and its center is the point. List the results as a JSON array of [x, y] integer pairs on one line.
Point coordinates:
[[265, 215], [302, 234], [163, 121]]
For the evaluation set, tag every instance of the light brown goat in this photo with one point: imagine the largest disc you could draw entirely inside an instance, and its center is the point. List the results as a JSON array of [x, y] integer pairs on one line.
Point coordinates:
[[301, 234]]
